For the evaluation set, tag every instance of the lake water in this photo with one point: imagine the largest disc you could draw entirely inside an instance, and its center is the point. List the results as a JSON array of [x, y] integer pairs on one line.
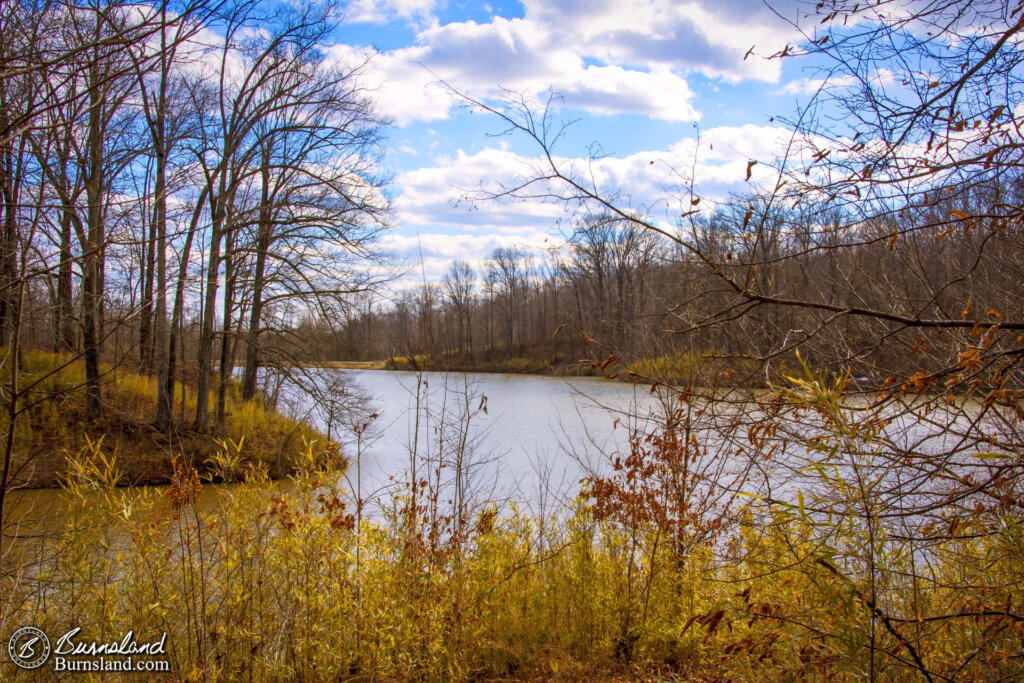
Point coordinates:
[[529, 437]]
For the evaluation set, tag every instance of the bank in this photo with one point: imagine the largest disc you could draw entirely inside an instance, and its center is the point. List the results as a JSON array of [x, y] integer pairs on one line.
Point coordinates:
[[52, 423]]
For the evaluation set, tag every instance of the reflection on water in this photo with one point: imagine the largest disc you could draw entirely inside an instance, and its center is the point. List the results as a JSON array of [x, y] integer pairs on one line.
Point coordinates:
[[529, 438], [526, 432]]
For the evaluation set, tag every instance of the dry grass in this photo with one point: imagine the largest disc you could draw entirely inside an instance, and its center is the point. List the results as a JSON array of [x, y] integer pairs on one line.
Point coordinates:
[[271, 584], [54, 424]]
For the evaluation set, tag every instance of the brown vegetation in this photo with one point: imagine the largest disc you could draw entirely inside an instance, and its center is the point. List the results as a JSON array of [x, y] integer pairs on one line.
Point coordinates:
[[54, 423], [651, 573], [860, 519]]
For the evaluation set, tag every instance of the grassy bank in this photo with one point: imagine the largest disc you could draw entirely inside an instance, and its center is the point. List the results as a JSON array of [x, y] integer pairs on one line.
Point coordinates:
[[516, 365], [700, 369], [663, 568], [54, 424], [295, 585]]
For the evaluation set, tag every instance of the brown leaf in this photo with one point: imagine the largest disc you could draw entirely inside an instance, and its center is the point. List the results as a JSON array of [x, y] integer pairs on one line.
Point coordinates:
[[711, 621]]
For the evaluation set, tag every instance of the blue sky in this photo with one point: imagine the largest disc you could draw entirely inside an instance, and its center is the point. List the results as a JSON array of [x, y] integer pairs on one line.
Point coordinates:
[[642, 78]]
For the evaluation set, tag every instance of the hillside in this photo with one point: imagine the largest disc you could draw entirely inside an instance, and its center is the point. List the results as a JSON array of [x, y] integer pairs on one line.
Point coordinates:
[[53, 423]]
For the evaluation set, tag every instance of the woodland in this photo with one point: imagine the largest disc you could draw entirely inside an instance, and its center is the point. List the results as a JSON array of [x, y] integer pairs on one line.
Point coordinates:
[[192, 203]]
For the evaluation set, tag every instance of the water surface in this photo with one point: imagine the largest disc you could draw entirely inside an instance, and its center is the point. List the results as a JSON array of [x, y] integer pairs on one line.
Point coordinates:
[[526, 433]]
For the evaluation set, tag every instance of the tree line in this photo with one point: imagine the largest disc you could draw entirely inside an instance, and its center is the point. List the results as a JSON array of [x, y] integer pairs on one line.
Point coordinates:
[[615, 287], [179, 180]]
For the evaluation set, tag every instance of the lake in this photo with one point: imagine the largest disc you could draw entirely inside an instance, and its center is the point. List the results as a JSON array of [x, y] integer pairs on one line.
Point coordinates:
[[529, 437]]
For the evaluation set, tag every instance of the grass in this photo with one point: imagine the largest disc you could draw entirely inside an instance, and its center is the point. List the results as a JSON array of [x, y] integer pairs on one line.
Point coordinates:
[[694, 368], [292, 585], [644, 575], [54, 423], [522, 365]]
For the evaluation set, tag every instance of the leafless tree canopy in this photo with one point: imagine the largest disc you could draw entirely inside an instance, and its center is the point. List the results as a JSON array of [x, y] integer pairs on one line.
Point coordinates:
[[180, 183], [869, 291]]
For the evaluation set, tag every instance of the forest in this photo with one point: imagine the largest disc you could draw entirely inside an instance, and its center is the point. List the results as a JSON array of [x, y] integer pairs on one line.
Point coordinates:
[[617, 288], [193, 206], [169, 201]]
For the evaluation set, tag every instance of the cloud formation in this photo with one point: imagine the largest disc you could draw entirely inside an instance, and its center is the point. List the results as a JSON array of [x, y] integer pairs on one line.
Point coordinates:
[[606, 57], [441, 223], [429, 254], [418, 12], [441, 195]]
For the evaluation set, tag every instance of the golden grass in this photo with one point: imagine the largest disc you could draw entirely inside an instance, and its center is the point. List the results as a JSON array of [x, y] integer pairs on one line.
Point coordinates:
[[54, 423], [271, 585], [636, 578]]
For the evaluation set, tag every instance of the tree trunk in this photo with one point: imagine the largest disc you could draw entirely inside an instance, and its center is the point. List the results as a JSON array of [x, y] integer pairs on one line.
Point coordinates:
[[92, 252], [164, 394], [175, 330], [205, 353], [252, 344], [66, 336], [226, 360]]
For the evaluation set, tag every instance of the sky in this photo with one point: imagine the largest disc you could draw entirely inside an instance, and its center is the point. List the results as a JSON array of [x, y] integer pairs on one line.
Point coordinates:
[[669, 92]]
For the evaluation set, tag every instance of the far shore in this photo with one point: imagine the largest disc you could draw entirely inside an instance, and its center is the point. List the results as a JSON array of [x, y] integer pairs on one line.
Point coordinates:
[[516, 367], [349, 364], [573, 370]]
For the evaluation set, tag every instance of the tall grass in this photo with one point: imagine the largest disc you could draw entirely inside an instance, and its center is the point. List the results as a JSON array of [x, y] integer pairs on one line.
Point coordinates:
[[284, 584], [53, 422], [646, 574]]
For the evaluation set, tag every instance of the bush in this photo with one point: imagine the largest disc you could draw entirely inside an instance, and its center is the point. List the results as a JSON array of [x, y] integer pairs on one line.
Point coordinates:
[[646, 574]]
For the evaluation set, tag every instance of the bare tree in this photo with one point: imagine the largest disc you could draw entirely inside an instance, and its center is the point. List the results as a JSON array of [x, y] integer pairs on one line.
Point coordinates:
[[885, 240], [458, 286]]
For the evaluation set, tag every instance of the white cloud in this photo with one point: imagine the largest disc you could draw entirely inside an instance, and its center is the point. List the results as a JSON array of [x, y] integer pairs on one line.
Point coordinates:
[[440, 221], [442, 194], [810, 86], [433, 252], [604, 56], [418, 12], [707, 37]]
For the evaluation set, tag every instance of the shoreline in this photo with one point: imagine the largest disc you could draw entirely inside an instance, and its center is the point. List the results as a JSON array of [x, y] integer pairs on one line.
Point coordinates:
[[125, 438], [540, 368]]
